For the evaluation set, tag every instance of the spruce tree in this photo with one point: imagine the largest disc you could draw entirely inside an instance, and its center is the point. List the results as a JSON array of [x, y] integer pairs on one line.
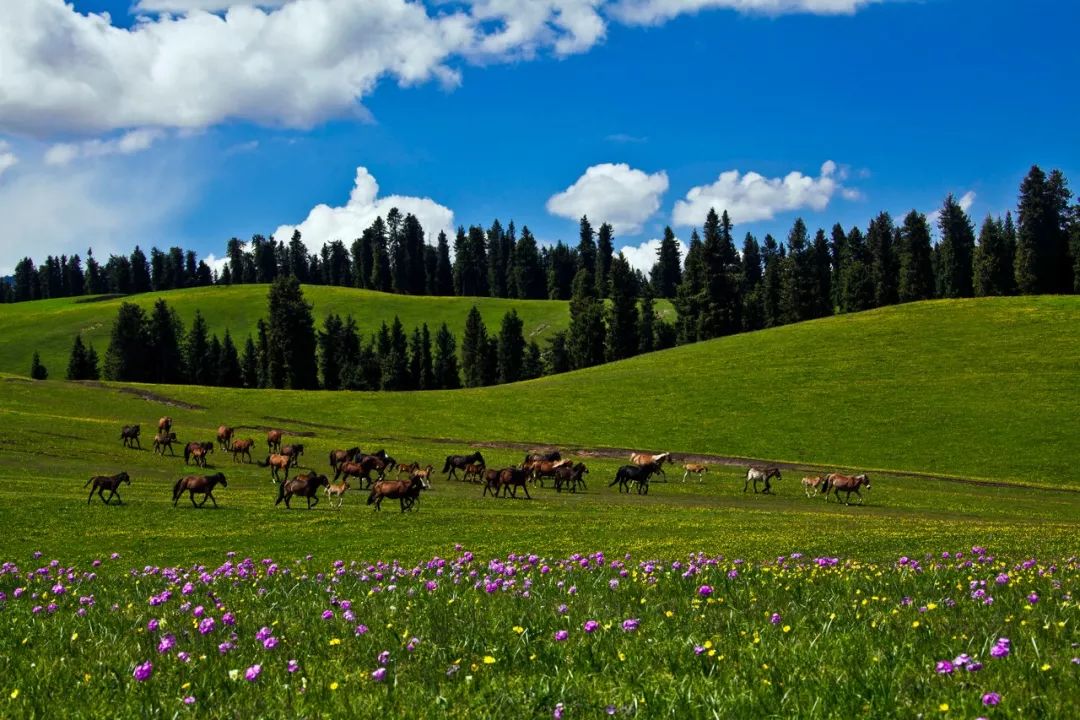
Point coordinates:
[[857, 277], [140, 272], [527, 272], [427, 360], [416, 360], [76, 369], [213, 361], [1042, 254], [916, 273], [821, 293], [395, 361], [230, 374], [721, 311], [497, 264], [92, 372], [263, 353], [838, 254], [125, 358], [557, 357], [37, 370], [883, 265], [532, 364], [361, 255], [249, 364], [688, 297], [330, 364], [562, 267], [95, 279], [585, 336], [445, 364], [444, 274], [291, 336], [605, 249], [666, 273], [647, 320], [586, 252], [473, 349], [197, 353], [772, 255], [510, 353], [381, 274], [955, 249], [622, 312], [164, 352], [993, 270]]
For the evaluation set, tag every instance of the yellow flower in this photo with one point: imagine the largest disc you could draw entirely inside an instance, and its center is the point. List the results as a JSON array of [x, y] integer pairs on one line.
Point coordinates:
[[708, 644], [931, 606], [712, 653], [518, 629], [488, 660], [15, 693], [915, 624], [1045, 667], [335, 641], [334, 685], [74, 636], [185, 686], [787, 628], [621, 656], [943, 707], [668, 613]]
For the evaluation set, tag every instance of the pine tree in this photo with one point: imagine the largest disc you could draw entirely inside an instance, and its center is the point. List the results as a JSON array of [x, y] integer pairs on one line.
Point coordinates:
[[562, 264], [444, 274], [532, 364], [95, 278], [381, 272], [473, 349], [688, 297], [291, 336], [721, 312], [330, 364], [25, 280], [497, 264], [230, 374], [527, 272], [74, 278], [297, 258], [838, 253], [622, 312], [470, 265], [883, 265], [857, 276], [37, 370], [820, 270], [164, 355], [395, 362], [916, 274], [234, 250], [1041, 261], [444, 364], [1058, 246], [586, 251], [955, 251], [197, 353], [510, 353], [647, 320], [213, 361], [557, 357], [263, 353], [796, 277], [118, 274], [605, 249], [361, 255], [666, 273], [416, 360], [92, 372], [585, 336], [249, 364], [125, 358], [427, 360], [140, 272], [77, 366], [993, 269]]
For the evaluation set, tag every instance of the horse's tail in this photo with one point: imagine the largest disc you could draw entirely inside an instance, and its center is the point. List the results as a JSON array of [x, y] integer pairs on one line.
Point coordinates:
[[280, 493], [332, 459], [177, 488], [187, 453], [371, 497], [446, 467], [88, 482]]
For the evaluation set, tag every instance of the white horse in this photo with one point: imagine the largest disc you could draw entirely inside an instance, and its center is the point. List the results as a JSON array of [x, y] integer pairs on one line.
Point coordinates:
[[758, 474]]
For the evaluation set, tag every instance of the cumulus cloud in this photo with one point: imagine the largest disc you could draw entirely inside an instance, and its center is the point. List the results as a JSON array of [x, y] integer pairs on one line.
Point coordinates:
[[753, 196], [7, 157], [324, 223], [186, 6], [612, 193], [652, 12], [965, 202], [215, 263], [127, 144], [642, 257]]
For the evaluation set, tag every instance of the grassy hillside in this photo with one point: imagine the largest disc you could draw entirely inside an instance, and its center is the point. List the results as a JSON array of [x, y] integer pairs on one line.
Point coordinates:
[[49, 326]]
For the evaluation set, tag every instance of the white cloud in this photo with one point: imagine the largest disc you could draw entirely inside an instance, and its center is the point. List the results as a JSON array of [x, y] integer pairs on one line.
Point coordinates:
[[7, 157], [217, 264], [612, 193], [186, 6], [642, 257], [652, 12], [965, 202], [129, 143], [752, 197], [346, 223]]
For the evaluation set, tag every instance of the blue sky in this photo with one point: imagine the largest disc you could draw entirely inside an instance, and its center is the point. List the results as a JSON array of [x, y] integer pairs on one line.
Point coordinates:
[[908, 101]]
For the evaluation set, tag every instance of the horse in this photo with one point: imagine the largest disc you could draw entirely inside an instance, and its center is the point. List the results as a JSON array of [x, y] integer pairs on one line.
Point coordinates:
[[491, 483], [224, 437], [273, 440], [306, 486], [629, 474], [510, 479], [277, 463], [198, 451], [130, 435], [242, 447], [294, 452], [813, 485], [339, 456], [570, 475], [472, 471], [540, 469], [646, 458], [107, 482], [164, 425], [403, 469], [164, 440], [425, 475], [695, 468], [458, 462], [337, 490], [361, 470], [535, 455], [406, 491], [756, 473], [202, 484], [835, 482]]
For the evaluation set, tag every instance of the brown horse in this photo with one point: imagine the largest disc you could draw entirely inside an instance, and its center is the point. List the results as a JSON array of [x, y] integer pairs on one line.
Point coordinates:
[[224, 437], [570, 476], [510, 479], [164, 440], [540, 469], [130, 435], [273, 440], [110, 483], [305, 486], [337, 490], [403, 469], [813, 485], [836, 483], [198, 451], [424, 474], [694, 468], [757, 473], [201, 484], [339, 456], [471, 473], [276, 463], [647, 458], [362, 469], [458, 462], [164, 425], [242, 447], [407, 491], [294, 451], [491, 483], [537, 455]]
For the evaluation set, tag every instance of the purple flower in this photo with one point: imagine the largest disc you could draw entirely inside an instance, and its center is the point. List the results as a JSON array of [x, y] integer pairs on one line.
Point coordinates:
[[167, 643], [1001, 648], [199, 611], [270, 643], [775, 619], [698, 650], [562, 609], [732, 574], [431, 586], [991, 699], [144, 671], [264, 632], [561, 635], [558, 712], [189, 700], [361, 630], [944, 667], [974, 666], [183, 656], [378, 674], [292, 666], [630, 625], [225, 647], [590, 626], [206, 626], [610, 710], [253, 672], [613, 584], [1002, 579], [327, 614], [705, 590], [1033, 598], [413, 642], [961, 660], [384, 657], [229, 619], [152, 625]]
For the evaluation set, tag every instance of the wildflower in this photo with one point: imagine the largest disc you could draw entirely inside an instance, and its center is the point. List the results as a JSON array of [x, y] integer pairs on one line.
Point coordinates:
[[562, 609], [264, 632], [206, 626], [1000, 649], [335, 641], [610, 710], [630, 625], [270, 643], [1045, 667], [974, 667], [991, 699], [775, 619], [253, 672], [183, 657], [961, 660], [704, 591], [1032, 598], [450, 671], [590, 626], [224, 647], [152, 625], [561, 635], [787, 628], [334, 685], [698, 650], [489, 660], [328, 614], [229, 619], [1002, 579], [14, 694], [361, 630], [732, 574], [189, 700], [167, 643], [943, 707], [558, 712], [378, 674], [292, 666], [518, 629], [944, 667], [613, 584], [144, 671]]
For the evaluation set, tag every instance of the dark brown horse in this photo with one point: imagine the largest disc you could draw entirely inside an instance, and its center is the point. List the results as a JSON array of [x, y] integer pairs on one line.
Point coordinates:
[[339, 456], [458, 462], [130, 435], [491, 483], [164, 440], [198, 451], [510, 479], [536, 455], [627, 475], [293, 451], [110, 483], [273, 440], [836, 483], [757, 473], [407, 491], [277, 463], [570, 477], [540, 469], [305, 486], [224, 437], [361, 470], [164, 425], [198, 484], [473, 472], [242, 447]]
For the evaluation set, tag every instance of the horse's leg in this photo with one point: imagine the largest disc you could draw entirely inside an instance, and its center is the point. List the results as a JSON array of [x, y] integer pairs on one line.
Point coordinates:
[[746, 484], [210, 494], [526, 489], [91, 495], [312, 504]]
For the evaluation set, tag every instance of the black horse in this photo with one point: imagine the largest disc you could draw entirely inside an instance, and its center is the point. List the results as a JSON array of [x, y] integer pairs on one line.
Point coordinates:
[[110, 483], [639, 474], [458, 462]]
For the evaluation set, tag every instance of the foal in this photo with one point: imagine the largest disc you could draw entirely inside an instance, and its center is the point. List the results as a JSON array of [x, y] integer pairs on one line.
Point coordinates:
[[107, 482], [337, 490]]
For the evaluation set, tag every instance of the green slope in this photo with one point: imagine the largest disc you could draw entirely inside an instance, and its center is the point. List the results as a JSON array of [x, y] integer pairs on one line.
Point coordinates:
[[979, 388], [49, 326]]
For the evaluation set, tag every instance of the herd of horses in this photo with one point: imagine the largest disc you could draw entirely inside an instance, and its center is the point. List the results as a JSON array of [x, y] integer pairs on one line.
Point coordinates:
[[370, 471]]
